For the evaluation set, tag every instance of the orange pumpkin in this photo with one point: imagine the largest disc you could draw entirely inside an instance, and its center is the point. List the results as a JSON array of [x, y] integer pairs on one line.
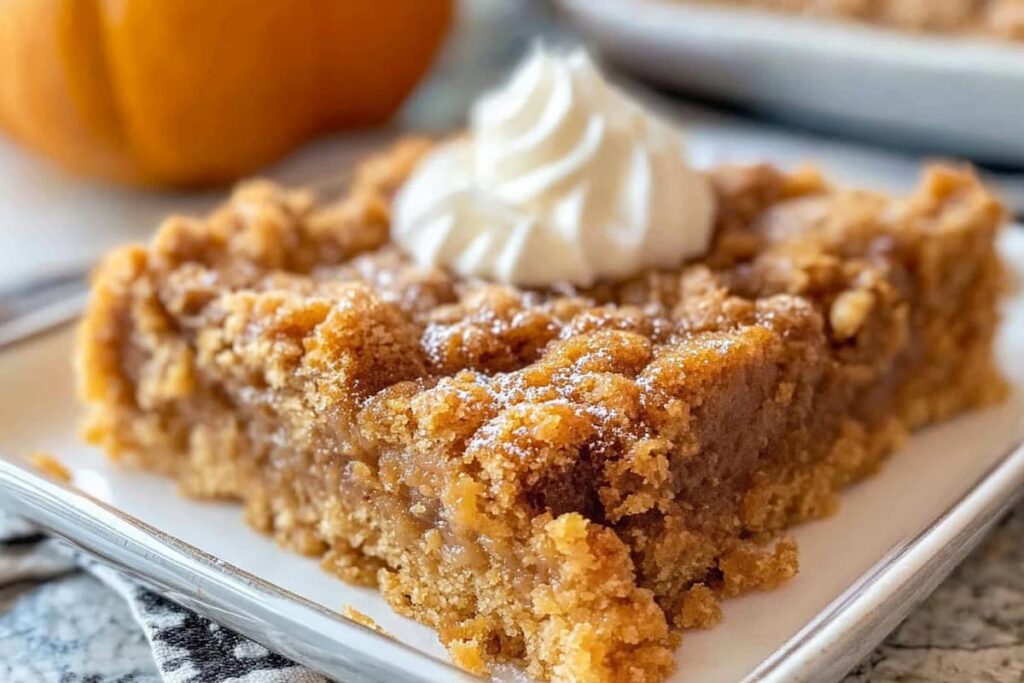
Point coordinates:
[[187, 92]]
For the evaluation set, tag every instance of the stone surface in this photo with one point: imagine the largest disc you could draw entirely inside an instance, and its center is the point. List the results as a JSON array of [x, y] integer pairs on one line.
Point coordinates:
[[71, 628], [972, 626]]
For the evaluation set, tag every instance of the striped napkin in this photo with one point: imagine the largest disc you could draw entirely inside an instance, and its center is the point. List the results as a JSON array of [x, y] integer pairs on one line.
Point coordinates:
[[65, 617]]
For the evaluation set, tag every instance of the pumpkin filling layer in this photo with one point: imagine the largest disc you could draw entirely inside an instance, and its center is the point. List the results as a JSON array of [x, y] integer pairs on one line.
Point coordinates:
[[565, 479]]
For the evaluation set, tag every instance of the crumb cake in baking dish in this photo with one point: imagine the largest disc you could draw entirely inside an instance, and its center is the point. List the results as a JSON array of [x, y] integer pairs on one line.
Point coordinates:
[[1002, 19], [566, 476]]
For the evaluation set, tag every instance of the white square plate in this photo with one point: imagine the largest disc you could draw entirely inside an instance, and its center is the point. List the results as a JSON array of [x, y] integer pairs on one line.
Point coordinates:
[[896, 536]]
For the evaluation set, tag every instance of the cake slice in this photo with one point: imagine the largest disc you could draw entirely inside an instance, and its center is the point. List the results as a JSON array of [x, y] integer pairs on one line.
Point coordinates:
[[562, 478]]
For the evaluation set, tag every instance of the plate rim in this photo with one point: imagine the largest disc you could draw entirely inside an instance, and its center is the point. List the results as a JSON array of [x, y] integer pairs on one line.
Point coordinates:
[[874, 605]]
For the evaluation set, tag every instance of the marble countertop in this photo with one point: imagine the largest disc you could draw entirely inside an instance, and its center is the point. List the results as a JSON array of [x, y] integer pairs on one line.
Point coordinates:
[[970, 629]]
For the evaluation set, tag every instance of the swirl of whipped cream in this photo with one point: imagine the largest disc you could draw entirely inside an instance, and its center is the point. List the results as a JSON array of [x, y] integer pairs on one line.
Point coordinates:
[[562, 179]]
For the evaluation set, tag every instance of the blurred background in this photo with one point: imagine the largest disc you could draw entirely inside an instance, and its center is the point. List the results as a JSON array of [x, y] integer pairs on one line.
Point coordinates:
[[117, 115]]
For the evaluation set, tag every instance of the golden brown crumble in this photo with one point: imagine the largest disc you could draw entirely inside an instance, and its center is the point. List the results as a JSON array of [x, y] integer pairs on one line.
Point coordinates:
[[560, 479], [50, 465], [350, 612], [999, 18]]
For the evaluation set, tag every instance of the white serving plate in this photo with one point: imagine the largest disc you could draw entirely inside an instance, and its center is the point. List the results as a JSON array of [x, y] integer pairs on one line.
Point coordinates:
[[956, 95], [894, 539]]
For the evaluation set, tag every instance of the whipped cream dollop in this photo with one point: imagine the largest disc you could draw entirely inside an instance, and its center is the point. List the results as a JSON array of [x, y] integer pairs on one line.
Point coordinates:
[[561, 179]]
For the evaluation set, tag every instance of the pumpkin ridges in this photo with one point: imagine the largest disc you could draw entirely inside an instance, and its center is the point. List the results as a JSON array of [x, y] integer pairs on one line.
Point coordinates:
[[178, 78], [89, 87], [189, 91], [17, 85], [207, 124], [35, 77], [88, 73]]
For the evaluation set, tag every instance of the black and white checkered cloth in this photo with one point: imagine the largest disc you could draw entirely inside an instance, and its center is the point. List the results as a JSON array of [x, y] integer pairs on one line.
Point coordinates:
[[64, 618], [58, 624]]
